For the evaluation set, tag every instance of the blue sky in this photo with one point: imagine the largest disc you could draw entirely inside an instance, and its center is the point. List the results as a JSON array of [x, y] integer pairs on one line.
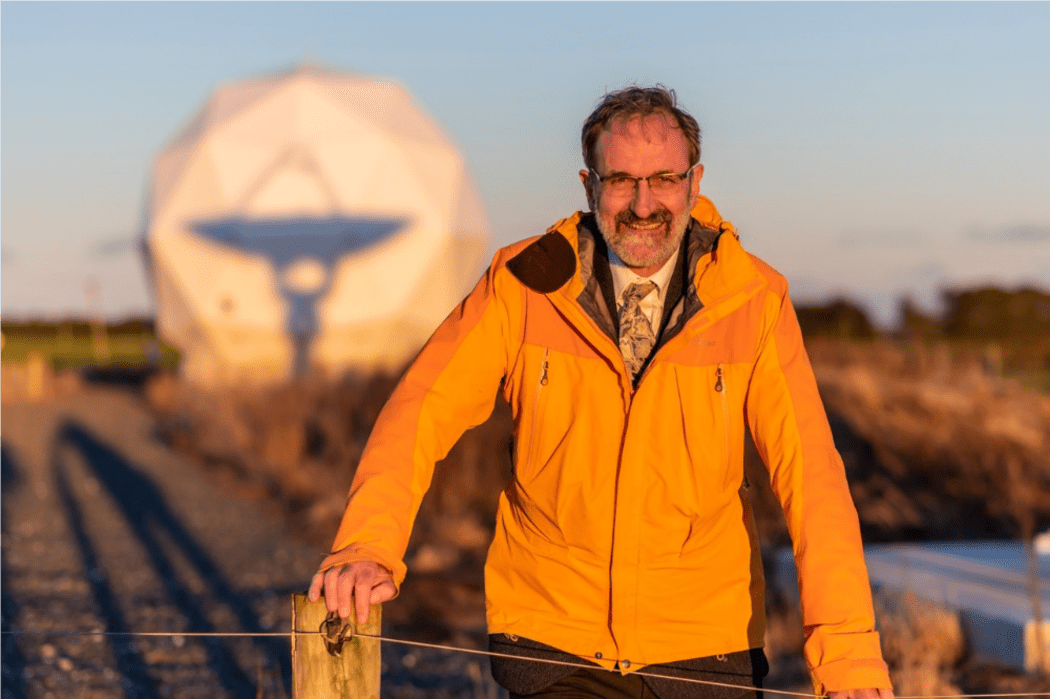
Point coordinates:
[[863, 149]]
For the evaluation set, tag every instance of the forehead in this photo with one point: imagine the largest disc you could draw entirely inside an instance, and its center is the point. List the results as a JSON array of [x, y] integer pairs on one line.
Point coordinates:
[[643, 146]]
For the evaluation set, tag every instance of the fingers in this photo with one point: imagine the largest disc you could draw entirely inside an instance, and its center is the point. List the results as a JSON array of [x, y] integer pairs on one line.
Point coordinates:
[[347, 579], [362, 596], [374, 585], [331, 588], [315, 587], [385, 590], [353, 588]]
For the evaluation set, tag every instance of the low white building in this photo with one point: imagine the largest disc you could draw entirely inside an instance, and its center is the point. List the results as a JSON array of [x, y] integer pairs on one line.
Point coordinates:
[[989, 583]]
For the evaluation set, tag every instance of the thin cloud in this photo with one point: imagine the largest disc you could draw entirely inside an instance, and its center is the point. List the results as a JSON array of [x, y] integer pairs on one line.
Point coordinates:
[[1018, 233], [925, 272], [880, 238]]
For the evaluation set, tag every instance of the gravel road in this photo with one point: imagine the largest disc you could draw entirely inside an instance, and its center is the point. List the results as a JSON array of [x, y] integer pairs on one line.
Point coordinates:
[[104, 529], [107, 530]]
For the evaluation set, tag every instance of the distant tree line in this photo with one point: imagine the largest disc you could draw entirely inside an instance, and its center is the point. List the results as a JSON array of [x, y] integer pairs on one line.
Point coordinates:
[[73, 327], [838, 318], [989, 313], [983, 313]]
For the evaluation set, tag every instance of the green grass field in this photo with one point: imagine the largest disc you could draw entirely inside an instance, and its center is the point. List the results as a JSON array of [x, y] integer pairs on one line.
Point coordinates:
[[66, 347]]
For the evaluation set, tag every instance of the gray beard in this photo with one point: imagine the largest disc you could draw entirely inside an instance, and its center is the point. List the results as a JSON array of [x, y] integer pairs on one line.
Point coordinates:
[[655, 252]]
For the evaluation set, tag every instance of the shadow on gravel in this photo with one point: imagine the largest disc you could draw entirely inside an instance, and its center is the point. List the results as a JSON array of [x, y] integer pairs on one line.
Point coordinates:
[[12, 686], [148, 514], [130, 662]]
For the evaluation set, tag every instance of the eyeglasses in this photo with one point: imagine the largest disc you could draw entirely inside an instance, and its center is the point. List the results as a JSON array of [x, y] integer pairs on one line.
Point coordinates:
[[660, 183]]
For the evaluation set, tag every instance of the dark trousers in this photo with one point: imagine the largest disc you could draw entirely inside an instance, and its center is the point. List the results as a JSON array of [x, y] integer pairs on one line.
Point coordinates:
[[589, 684], [525, 678]]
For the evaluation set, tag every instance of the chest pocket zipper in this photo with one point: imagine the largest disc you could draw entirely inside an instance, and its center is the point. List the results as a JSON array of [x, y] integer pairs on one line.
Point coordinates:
[[534, 427], [722, 389]]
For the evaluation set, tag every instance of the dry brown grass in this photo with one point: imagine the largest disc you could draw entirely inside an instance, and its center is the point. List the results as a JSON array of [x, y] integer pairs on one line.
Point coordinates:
[[922, 643], [300, 443], [925, 647], [935, 448]]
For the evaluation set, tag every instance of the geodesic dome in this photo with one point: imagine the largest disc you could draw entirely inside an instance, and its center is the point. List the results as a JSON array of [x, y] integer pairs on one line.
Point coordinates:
[[310, 220]]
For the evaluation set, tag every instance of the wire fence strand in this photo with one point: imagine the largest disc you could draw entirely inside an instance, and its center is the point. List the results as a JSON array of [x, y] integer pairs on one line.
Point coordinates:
[[491, 654]]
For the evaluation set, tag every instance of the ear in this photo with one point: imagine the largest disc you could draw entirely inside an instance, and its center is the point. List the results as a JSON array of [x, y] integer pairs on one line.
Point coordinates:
[[694, 187], [588, 187]]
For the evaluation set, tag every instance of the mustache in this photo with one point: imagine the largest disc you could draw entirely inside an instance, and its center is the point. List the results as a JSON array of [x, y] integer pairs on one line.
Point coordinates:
[[629, 218]]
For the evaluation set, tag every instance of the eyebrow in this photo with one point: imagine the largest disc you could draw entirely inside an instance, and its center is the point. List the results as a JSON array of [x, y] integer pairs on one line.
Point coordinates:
[[622, 173]]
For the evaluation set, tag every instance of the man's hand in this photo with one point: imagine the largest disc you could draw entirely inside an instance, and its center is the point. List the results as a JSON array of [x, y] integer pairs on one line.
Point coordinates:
[[367, 582], [862, 694]]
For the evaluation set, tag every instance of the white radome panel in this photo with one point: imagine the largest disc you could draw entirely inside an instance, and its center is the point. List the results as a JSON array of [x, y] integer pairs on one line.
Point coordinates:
[[308, 221]]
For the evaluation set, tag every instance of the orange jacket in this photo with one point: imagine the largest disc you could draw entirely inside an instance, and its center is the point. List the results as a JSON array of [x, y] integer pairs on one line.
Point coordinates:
[[627, 532]]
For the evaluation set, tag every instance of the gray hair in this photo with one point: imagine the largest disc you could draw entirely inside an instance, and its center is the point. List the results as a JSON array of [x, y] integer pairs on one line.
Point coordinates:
[[635, 101]]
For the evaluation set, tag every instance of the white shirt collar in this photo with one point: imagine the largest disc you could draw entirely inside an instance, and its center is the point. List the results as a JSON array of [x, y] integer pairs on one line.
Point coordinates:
[[623, 276]]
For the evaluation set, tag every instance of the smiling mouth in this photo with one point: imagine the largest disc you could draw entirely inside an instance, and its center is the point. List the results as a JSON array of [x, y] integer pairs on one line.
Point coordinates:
[[626, 221], [644, 230]]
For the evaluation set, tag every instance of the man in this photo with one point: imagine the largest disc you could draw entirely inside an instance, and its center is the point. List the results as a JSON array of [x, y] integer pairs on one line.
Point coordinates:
[[635, 345]]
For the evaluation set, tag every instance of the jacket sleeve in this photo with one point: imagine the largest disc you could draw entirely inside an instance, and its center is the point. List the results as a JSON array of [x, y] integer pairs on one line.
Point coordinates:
[[450, 387], [791, 431]]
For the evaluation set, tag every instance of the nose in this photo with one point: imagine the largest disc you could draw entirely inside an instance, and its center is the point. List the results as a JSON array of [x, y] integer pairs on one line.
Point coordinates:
[[643, 203]]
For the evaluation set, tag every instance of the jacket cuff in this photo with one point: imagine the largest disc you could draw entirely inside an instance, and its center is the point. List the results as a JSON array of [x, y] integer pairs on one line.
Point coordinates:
[[842, 675], [354, 554], [849, 661]]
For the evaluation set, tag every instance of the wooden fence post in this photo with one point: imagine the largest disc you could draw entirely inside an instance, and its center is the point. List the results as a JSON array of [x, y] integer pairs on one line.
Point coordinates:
[[316, 673]]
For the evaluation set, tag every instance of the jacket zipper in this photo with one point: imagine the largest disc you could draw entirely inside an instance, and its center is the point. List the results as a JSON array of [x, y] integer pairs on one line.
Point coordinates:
[[720, 387], [616, 496], [543, 380]]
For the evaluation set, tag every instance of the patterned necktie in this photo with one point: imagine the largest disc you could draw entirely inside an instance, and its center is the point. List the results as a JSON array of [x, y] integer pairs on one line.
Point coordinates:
[[636, 334]]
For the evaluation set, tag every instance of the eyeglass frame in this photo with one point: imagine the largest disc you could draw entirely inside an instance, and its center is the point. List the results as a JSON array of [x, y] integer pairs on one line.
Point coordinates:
[[636, 179]]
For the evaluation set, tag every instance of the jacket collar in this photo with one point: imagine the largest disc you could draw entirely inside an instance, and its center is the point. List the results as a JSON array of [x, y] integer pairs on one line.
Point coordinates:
[[563, 261]]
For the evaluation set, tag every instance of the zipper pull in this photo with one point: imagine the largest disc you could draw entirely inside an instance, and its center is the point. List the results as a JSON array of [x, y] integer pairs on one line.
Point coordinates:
[[718, 383], [543, 377]]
